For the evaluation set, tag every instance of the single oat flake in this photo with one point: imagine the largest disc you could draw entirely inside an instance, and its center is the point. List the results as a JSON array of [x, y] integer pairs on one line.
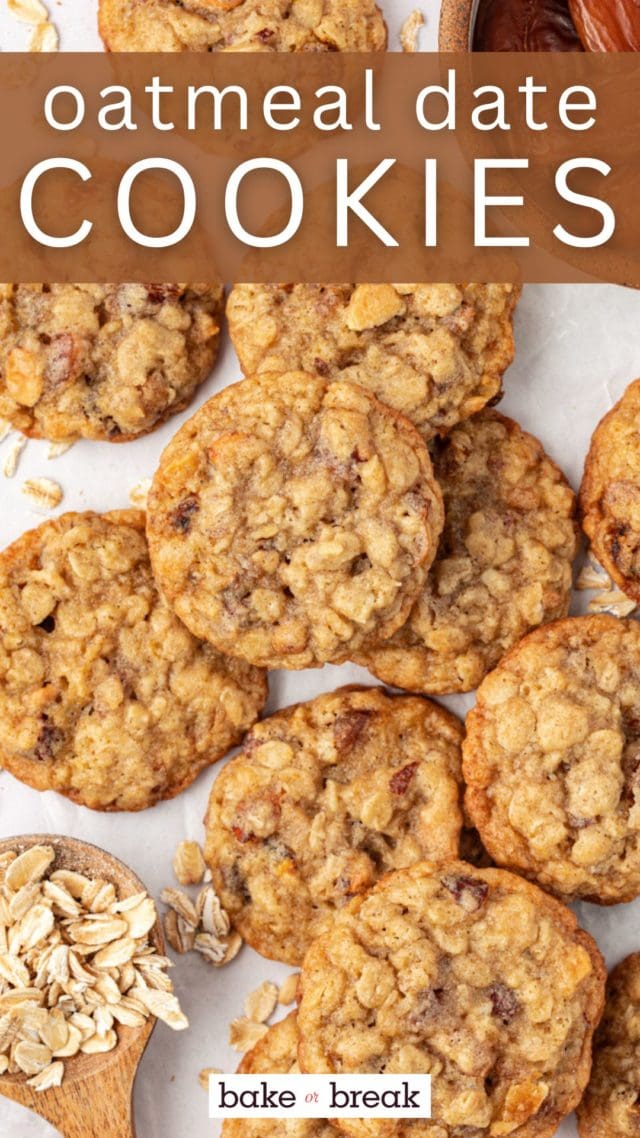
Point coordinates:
[[44, 493], [44, 38], [261, 1003], [410, 31], [11, 461], [75, 963]]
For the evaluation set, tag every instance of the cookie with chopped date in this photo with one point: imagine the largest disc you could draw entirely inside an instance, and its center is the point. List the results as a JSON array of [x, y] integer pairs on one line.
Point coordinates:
[[105, 696], [504, 563], [276, 1054], [551, 759], [323, 799], [435, 352], [474, 976], [610, 492], [290, 519], [611, 1104], [242, 25], [107, 362]]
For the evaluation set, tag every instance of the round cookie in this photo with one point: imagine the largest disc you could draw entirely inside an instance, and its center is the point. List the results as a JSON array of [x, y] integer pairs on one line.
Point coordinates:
[[104, 695], [105, 362], [503, 564], [610, 492], [474, 976], [552, 759], [276, 1054], [435, 352], [242, 25], [290, 519], [324, 798], [611, 1104]]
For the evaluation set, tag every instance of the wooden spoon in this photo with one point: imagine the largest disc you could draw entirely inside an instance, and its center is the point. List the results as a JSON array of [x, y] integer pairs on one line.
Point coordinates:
[[95, 1099]]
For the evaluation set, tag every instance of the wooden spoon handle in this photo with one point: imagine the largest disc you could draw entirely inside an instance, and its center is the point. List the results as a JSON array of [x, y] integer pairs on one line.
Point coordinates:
[[90, 1107]]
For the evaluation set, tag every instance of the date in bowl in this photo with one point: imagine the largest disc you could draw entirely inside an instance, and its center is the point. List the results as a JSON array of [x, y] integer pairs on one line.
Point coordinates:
[[540, 25]]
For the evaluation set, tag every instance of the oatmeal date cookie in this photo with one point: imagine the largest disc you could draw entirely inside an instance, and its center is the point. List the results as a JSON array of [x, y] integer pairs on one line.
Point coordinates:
[[435, 352], [242, 25], [611, 1105], [552, 759], [276, 1054], [324, 798], [503, 564], [610, 492], [473, 976], [105, 362], [290, 519], [104, 695]]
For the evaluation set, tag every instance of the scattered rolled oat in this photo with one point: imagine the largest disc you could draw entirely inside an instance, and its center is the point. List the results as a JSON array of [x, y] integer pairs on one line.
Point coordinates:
[[289, 990], [593, 576], [75, 961], [44, 37], [244, 1033], [612, 600], [44, 493], [260, 1005], [199, 925], [138, 495], [28, 11], [410, 31], [188, 861], [13, 458], [56, 450], [5, 429]]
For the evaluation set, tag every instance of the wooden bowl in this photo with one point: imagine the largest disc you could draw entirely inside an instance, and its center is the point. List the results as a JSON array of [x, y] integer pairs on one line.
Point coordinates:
[[457, 19]]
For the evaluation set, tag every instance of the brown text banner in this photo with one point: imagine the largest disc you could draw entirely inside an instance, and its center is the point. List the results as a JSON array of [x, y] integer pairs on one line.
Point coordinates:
[[320, 167]]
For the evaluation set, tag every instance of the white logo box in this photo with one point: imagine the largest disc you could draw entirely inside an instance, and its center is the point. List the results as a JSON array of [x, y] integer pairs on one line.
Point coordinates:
[[319, 1096]]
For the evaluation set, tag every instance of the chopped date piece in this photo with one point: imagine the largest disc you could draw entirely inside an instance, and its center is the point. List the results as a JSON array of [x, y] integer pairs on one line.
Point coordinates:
[[401, 780], [48, 741], [182, 516], [467, 891], [504, 1002], [525, 25], [348, 728]]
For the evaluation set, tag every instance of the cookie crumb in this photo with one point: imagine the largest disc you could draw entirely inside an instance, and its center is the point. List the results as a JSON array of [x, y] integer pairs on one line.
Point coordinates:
[[188, 860], [44, 493], [261, 1003], [138, 495], [410, 30], [203, 1076], [289, 990], [13, 458]]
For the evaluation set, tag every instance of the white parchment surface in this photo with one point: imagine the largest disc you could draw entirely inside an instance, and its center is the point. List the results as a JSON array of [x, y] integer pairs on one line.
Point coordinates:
[[577, 348]]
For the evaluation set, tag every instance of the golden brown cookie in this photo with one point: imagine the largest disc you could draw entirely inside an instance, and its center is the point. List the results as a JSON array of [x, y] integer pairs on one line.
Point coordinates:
[[552, 759], [324, 798], [290, 519], [242, 25], [611, 1105], [610, 492], [103, 361], [474, 976], [503, 564], [104, 695], [276, 1054], [435, 352]]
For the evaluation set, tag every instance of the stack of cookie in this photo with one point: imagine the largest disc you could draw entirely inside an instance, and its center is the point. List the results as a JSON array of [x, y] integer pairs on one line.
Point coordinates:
[[353, 498]]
